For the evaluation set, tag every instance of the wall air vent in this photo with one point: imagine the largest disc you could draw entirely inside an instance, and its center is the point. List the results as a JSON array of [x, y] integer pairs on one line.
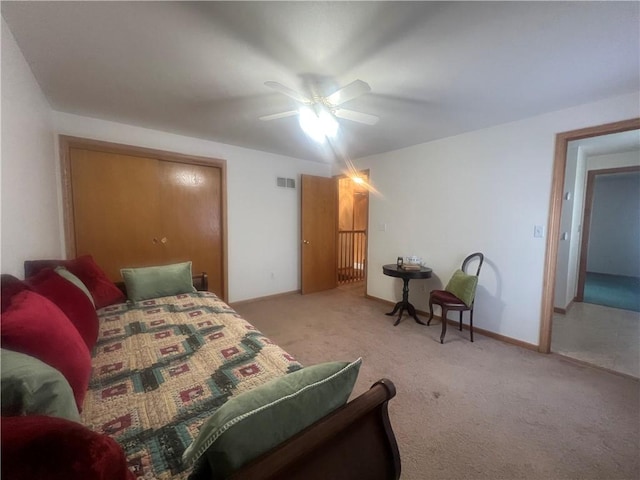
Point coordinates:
[[286, 182]]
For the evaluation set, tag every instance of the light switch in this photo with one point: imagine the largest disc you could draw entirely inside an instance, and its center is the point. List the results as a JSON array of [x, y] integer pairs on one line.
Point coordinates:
[[538, 231]]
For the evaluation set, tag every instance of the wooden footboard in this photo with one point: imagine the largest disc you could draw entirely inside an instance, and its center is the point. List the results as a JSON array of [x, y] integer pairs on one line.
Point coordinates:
[[354, 442]]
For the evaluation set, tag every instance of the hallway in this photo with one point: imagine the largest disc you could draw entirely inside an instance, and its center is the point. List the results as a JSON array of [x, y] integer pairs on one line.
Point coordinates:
[[603, 336]]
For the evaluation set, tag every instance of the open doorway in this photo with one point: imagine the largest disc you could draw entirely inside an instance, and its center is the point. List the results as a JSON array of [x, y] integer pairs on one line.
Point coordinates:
[[595, 334], [353, 214], [609, 267]]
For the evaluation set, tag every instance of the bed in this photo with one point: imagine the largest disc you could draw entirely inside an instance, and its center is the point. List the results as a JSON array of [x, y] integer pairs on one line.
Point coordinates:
[[162, 366]]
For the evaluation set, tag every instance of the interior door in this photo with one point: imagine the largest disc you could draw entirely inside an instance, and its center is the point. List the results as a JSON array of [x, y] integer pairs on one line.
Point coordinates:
[[319, 233], [190, 206], [111, 209]]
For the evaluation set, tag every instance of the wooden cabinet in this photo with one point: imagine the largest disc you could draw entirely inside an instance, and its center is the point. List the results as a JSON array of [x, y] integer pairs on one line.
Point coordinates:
[[133, 207]]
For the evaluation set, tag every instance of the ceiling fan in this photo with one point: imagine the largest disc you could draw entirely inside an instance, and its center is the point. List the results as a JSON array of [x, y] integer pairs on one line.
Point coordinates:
[[322, 105]]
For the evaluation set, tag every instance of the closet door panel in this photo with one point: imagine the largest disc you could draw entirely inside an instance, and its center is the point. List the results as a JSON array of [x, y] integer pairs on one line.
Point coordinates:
[[115, 208], [190, 215]]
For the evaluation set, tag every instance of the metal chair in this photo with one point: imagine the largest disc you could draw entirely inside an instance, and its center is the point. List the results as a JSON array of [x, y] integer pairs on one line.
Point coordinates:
[[448, 301]]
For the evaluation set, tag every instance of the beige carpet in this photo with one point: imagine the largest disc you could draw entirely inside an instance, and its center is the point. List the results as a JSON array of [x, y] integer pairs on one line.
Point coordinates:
[[482, 410]]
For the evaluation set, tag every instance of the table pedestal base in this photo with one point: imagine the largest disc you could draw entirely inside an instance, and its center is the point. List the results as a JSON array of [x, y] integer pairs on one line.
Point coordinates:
[[404, 304]]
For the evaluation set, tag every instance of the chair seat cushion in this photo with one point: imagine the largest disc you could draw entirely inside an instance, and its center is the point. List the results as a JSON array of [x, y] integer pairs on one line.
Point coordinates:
[[446, 298]]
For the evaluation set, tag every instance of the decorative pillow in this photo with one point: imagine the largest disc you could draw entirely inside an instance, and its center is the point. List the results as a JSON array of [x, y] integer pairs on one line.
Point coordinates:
[[71, 300], [463, 286], [161, 281], [49, 448], [67, 275], [10, 286], [257, 420], [31, 387], [35, 326], [103, 290]]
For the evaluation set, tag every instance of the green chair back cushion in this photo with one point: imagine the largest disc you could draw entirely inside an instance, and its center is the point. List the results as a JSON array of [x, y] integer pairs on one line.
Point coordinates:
[[463, 286], [257, 420], [160, 281]]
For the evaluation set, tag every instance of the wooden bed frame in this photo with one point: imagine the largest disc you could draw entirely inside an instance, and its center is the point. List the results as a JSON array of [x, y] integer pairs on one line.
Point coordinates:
[[354, 442]]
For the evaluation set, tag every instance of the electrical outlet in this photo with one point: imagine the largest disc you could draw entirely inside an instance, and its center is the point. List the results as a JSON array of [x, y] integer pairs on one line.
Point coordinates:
[[538, 231]]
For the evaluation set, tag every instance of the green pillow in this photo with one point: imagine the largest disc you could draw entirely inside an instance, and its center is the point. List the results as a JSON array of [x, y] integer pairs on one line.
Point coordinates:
[[257, 420], [67, 275], [162, 281], [463, 286], [29, 386]]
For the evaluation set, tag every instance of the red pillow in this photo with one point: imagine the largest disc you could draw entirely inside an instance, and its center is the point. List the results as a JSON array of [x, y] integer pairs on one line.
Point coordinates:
[[50, 448], [35, 326], [71, 300], [103, 290], [10, 286]]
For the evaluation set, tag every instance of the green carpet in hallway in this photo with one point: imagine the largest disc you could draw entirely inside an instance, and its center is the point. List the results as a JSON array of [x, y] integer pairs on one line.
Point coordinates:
[[615, 291]]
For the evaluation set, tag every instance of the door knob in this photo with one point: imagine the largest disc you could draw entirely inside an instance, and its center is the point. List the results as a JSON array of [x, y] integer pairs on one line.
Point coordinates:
[[155, 240], [164, 240], [306, 242]]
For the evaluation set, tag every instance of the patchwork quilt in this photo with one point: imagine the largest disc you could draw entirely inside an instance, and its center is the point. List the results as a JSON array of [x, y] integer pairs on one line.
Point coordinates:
[[161, 367]]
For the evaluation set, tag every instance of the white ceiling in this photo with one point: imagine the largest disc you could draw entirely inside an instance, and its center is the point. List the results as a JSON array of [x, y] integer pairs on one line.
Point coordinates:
[[436, 69]]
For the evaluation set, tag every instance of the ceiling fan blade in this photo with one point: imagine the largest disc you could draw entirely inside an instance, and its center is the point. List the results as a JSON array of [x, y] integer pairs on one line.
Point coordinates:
[[275, 116], [289, 92], [349, 92], [356, 116]]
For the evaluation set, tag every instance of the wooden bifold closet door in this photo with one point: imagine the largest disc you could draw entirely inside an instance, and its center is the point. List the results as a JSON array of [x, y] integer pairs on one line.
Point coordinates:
[[136, 210]]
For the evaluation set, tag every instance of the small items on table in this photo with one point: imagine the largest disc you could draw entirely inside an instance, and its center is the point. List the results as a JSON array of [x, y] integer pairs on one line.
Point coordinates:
[[406, 272]]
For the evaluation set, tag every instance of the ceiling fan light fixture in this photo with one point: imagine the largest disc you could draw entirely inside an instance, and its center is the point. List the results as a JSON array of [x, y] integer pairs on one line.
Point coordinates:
[[328, 123], [319, 125]]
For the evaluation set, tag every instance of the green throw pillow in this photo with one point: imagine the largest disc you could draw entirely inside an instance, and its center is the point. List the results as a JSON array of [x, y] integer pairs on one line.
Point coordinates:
[[257, 420], [29, 386], [463, 286], [162, 281], [67, 275]]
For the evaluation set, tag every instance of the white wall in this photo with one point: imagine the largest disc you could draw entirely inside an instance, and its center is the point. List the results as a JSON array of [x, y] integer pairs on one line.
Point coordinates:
[[614, 234], [263, 219], [613, 160], [562, 296], [30, 212], [483, 190]]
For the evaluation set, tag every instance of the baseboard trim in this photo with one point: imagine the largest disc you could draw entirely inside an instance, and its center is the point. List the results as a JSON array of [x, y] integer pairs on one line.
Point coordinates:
[[266, 297], [482, 331], [563, 311]]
